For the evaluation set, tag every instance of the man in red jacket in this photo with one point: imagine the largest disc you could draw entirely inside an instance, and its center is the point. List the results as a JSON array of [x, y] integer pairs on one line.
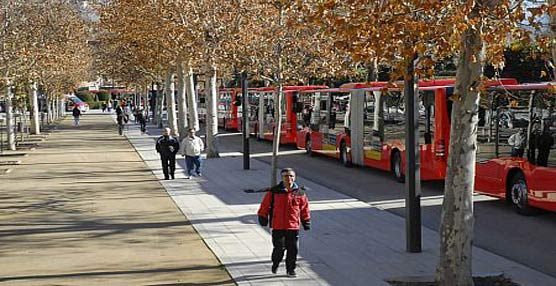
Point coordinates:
[[284, 205]]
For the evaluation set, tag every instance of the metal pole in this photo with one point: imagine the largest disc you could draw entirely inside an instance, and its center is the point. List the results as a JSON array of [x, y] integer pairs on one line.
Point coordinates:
[[245, 121], [1, 139], [497, 130], [413, 165]]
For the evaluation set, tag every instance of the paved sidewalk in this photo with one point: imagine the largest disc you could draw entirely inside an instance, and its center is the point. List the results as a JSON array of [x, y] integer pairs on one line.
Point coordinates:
[[351, 243], [83, 209]]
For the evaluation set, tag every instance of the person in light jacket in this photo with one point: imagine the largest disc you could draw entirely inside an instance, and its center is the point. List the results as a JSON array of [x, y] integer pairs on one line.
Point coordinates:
[[191, 148]]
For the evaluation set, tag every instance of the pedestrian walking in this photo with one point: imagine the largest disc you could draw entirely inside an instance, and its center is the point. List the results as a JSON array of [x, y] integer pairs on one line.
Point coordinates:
[[76, 114], [168, 146], [109, 106], [104, 106], [284, 206], [140, 117], [517, 141], [191, 148], [122, 120], [119, 110]]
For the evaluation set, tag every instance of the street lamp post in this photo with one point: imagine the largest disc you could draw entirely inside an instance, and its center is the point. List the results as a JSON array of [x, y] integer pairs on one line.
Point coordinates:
[[245, 121], [413, 164]]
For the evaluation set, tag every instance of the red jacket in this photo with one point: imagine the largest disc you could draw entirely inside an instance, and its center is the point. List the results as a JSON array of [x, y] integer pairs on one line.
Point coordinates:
[[289, 207]]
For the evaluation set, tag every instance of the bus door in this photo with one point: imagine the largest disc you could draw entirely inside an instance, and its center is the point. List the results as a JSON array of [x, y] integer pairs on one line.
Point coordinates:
[[340, 119], [268, 120], [433, 163], [224, 107], [289, 117], [319, 120], [253, 102], [373, 128], [541, 150], [393, 116], [304, 111]]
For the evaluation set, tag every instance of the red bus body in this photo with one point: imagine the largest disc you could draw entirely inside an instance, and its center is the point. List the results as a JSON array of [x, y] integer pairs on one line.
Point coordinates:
[[433, 150], [230, 115], [228, 112], [494, 176]]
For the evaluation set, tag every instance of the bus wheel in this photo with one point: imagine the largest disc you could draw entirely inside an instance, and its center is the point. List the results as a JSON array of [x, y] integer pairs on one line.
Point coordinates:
[[518, 192], [308, 147], [344, 155], [397, 167]]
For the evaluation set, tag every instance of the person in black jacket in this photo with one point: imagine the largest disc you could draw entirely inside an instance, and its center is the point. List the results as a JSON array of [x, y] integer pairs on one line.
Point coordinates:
[[168, 146], [545, 142], [76, 114], [140, 117]]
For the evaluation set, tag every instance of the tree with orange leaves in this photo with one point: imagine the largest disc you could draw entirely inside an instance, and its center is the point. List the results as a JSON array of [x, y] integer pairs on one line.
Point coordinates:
[[397, 32]]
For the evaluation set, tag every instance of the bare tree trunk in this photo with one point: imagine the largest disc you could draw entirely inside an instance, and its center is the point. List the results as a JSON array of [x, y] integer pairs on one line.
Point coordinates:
[[277, 133], [191, 98], [277, 109], [212, 120], [60, 106], [34, 98], [48, 109], [159, 105], [55, 108], [146, 105], [456, 227], [182, 105], [10, 123], [372, 70], [171, 102]]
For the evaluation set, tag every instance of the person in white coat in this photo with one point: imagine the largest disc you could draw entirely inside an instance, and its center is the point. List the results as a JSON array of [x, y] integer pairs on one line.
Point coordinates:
[[518, 141], [191, 148]]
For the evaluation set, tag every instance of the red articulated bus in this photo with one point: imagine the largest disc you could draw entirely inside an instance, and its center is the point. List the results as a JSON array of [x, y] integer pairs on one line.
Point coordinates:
[[345, 124], [262, 115], [524, 174]]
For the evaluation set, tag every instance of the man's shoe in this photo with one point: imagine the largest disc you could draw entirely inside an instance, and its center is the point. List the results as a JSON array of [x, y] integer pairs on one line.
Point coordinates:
[[274, 268], [188, 177], [166, 178], [199, 175], [292, 273], [172, 176]]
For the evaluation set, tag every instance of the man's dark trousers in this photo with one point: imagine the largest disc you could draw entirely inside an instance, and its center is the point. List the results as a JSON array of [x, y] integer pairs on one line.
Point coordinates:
[[285, 240], [168, 166]]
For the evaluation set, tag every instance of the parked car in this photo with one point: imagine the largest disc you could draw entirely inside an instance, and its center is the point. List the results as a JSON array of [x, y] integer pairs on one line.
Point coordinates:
[[72, 100]]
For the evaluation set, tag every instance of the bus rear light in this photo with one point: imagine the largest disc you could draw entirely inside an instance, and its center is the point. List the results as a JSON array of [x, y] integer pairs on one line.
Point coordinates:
[[440, 148]]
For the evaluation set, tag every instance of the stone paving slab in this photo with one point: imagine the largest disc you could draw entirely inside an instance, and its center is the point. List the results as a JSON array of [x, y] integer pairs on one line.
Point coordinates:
[[83, 209], [351, 243]]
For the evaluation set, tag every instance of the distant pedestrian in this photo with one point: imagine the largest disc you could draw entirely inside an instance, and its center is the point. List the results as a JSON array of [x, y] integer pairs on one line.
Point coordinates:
[[168, 146], [140, 117], [104, 106], [122, 120], [109, 106], [76, 114], [191, 148], [517, 141], [284, 205]]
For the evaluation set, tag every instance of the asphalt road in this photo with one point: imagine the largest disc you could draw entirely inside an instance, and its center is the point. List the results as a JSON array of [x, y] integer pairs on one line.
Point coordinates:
[[498, 228]]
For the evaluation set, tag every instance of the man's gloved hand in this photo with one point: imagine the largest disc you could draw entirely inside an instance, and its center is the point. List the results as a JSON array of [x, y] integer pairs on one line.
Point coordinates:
[[263, 221], [306, 225]]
